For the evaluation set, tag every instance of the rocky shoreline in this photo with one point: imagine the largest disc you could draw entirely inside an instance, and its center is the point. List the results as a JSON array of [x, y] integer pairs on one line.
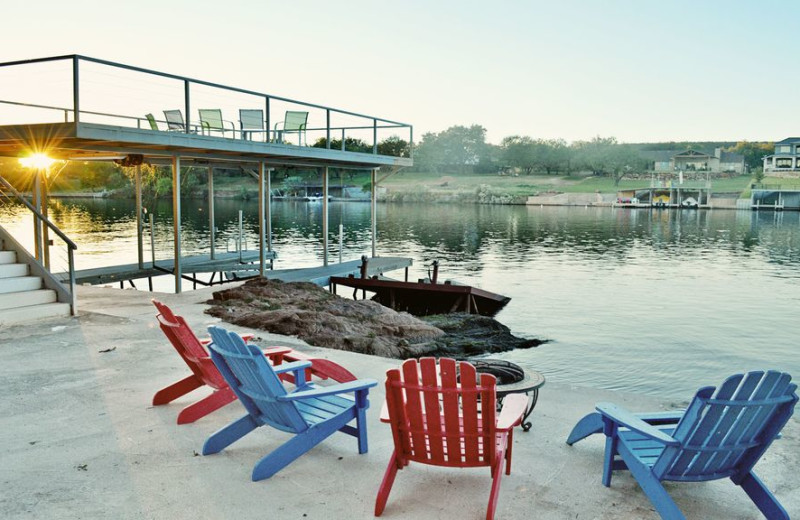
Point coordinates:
[[320, 318]]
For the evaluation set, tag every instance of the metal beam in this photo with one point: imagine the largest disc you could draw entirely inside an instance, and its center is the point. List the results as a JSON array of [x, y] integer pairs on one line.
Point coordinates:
[[176, 224], [269, 215]]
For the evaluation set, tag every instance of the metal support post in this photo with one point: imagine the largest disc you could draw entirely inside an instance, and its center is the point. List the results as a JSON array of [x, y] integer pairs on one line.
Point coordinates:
[[176, 220], [268, 202], [37, 222], [76, 98], [261, 226], [187, 105], [325, 215], [212, 225], [45, 230], [139, 223], [373, 209]]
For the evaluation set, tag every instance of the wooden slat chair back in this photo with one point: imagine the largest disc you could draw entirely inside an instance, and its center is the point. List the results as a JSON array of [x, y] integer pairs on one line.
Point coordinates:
[[723, 433], [174, 120], [445, 415], [311, 413]]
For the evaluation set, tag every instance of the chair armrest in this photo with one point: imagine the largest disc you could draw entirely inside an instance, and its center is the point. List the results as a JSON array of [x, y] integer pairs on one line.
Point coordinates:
[[628, 420], [245, 337], [288, 367], [352, 386], [513, 408]]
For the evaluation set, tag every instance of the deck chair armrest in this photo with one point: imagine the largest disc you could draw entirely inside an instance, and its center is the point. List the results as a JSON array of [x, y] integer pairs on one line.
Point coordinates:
[[514, 406], [294, 365], [628, 420], [246, 337], [352, 386]]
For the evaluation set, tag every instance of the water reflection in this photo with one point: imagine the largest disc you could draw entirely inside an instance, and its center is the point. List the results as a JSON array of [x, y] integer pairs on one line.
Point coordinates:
[[657, 301]]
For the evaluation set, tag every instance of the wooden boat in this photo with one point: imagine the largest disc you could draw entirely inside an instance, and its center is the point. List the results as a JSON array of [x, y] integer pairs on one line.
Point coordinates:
[[426, 296]]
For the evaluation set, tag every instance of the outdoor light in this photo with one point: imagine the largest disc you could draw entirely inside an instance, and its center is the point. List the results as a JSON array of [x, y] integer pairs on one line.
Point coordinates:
[[39, 161]]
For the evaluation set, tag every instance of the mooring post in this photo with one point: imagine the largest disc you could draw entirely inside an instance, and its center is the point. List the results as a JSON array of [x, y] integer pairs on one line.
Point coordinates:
[[435, 272], [176, 219], [341, 241], [364, 262]]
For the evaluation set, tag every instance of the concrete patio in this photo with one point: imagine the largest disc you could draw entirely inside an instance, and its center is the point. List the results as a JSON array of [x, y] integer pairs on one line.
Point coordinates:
[[79, 439]]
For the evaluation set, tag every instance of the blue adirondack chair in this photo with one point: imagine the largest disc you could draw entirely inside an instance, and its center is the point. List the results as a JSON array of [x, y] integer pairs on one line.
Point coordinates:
[[309, 412], [719, 435]]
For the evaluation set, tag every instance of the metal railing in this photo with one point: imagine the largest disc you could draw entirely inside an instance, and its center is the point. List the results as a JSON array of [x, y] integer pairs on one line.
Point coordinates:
[[192, 126], [40, 262]]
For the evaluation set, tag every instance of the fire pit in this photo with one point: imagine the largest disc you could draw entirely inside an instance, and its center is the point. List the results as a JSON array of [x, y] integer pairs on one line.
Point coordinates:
[[512, 379]]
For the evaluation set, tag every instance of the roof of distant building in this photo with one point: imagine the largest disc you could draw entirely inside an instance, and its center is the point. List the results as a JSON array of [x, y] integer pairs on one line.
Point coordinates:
[[789, 140]]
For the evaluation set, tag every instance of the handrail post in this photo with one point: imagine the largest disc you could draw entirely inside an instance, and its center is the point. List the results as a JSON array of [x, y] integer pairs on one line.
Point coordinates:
[[187, 105], [411, 142], [76, 96], [328, 128], [269, 121], [375, 137], [72, 284], [342, 139]]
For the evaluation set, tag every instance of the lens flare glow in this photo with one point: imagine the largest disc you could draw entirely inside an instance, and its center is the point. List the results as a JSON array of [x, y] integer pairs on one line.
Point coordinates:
[[38, 160]]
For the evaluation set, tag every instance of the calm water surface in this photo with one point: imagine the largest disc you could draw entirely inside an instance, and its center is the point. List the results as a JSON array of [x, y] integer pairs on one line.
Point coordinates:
[[656, 302]]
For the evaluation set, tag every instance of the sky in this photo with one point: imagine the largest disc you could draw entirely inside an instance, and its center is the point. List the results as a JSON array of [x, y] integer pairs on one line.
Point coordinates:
[[640, 71]]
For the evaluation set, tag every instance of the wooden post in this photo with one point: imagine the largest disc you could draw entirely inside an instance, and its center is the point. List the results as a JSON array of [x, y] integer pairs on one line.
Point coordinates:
[[261, 226], [176, 220], [325, 215], [212, 225], [139, 224]]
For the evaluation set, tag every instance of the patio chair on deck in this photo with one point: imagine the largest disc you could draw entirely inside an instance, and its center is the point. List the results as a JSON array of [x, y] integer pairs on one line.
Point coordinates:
[[204, 372], [251, 121], [175, 120], [720, 435], [293, 122], [211, 121], [445, 416], [152, 121], [312, 414]]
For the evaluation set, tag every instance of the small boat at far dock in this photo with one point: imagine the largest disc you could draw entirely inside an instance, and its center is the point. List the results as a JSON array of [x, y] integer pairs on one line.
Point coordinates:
[[424, 297]]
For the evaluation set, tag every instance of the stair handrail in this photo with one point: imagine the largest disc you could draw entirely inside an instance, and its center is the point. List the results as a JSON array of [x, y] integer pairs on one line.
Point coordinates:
[[71, 246], [20, 197]]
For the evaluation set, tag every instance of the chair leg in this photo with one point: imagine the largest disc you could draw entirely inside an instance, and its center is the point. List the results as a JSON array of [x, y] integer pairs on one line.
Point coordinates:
[[509, 445], [386, 484], [223, 438], [290, 450], [205, 406], [175, 390], [589, 425], [361, 426], [497, 472], [652, 487], [608, 458], [763, 498]]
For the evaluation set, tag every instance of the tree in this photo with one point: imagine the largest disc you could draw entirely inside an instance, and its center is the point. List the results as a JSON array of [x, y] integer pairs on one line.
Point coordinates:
[[519, 152], [457, 149], [753, 152], [605, 156]]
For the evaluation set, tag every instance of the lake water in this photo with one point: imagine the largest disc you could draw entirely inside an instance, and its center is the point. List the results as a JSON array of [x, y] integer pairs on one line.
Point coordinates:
[[656, 302]]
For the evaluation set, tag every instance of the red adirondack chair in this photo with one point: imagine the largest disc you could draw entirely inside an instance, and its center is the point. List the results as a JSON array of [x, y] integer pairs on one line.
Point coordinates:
[[445, 416], [204, 372]]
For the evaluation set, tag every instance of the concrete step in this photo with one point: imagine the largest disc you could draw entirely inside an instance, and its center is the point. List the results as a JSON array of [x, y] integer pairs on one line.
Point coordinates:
[[8, 257], [33, 313], [25, 299], [20, 284], [13, 270]]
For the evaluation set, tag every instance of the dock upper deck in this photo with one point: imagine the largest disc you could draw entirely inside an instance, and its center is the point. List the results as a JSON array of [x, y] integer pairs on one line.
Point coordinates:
[[81, 108]]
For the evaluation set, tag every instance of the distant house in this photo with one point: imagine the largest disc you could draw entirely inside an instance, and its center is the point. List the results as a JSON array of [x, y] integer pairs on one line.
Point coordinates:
[[717, 161], [786, 157]]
